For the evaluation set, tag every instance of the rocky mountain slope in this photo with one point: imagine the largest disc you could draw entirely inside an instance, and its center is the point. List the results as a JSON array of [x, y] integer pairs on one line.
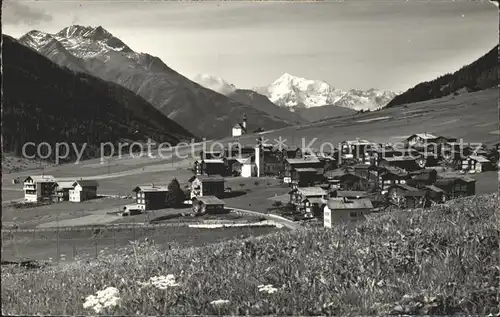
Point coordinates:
[[44, 102], [479, 75], [298, 93], [202, 111]]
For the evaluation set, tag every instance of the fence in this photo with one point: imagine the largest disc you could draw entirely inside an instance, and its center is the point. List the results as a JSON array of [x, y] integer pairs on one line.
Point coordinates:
[[67, 244]]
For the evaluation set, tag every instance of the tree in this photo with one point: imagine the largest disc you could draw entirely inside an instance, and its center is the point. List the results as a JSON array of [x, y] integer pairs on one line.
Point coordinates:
[[175, 195]]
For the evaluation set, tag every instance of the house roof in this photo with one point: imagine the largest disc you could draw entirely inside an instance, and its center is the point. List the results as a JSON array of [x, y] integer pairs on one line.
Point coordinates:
[[306, 170], [350, 174], [341, 203], [41, 178], [315, 200], [209, 200], [425, 136], [351, 193], [406, 187], [214, 161], [398, 159], [64, 184], [395, 171], [309, 191], [151, 188], [86, 183], [362, 166], [207, 178], [358, 142], [334, 173], [479, 158], [303, 160], [239, 125], [434, 188]]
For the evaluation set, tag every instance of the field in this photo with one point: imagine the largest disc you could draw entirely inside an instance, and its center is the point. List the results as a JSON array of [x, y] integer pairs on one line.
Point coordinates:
[[440, 261]]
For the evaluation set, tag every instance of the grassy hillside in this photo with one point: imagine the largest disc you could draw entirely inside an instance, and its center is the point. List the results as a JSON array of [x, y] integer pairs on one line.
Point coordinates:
[[479, 75], [43, 102], [438, 261]]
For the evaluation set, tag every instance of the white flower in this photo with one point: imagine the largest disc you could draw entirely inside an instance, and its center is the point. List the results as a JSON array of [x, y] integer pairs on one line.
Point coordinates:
[[267, 289], [163, 282], [105, 298], [219, 302]]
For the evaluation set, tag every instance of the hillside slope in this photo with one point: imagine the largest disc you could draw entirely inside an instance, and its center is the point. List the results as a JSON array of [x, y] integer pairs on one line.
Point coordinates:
[[441, 261], [481, 74], [43, 102], [324, 112], [202, 111], [263, 103]]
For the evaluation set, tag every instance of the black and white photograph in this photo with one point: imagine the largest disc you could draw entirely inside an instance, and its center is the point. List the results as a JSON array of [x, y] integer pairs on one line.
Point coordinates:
[[250, 158]]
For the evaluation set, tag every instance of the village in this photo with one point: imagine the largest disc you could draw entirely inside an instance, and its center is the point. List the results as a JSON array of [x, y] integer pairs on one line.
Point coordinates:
[[358, 178]]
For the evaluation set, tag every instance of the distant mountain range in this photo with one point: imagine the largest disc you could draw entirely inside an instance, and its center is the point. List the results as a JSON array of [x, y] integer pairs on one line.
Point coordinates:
[[479, 75], [297, 93], [96, 51], [44, 102], [306, 99]]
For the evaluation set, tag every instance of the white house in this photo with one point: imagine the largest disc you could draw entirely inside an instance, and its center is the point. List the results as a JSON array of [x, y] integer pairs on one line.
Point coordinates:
[[39, 187], [342, 209], [476, 163], [83, 190], [240, 128]]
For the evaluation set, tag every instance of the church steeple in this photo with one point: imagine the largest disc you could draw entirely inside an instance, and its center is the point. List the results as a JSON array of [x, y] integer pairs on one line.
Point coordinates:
[[244, 122]]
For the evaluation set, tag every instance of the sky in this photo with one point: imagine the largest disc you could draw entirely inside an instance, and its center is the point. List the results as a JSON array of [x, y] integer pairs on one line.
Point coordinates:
[[351, 44]]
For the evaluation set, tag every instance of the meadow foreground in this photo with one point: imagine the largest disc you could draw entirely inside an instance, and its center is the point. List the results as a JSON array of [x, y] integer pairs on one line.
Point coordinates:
[[438, 261]]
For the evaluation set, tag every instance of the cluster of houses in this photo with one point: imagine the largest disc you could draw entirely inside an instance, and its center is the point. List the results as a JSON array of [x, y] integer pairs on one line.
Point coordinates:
[[359, 174], [46, 188]]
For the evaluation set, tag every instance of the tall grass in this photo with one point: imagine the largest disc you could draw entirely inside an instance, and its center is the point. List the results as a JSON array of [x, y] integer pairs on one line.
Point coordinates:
[[439, 261]]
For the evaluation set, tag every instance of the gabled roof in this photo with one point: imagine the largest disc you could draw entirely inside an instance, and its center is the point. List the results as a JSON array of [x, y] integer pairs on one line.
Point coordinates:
[[309, 191], [64, 184], [302, 160], [350, 174], [209, 200], [41, 178], [341, 203], [398, 159], [306, 170], [315, 200], [425, 136], [334, 173], [151, 188], [239, 125], [206, 178], [214, 161], [434, 188], [406, 187], [86, 183], [351, 194], [479, 158]]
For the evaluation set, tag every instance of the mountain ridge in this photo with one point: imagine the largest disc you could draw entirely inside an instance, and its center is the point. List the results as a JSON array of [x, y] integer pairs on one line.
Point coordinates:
[[478, 75], [68, 106], [202, 111]]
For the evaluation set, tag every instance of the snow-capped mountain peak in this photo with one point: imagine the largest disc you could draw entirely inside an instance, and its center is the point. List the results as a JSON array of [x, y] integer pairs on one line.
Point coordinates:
[[214, 83], [295, 92]]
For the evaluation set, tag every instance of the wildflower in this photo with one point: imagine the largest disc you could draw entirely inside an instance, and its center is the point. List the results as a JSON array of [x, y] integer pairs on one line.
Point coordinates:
[[267, 289], [105, 298], [160, 282], [219, 302]]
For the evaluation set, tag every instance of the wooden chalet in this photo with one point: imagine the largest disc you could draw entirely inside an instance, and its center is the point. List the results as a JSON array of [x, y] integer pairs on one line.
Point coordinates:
[[350, 181], [305, 166], [357, 150], [83, 189], [406, 196], [388, 176], [422, 178], [214, 167], [332, 177], [434, 195], [477, 164], [407, 163], [306, 176], [420, 139], [150, 197], [61, 191], [457, 186], [207, 204], [350, 194], [338, 210], [299, 194], [202, 185], [39, 187]]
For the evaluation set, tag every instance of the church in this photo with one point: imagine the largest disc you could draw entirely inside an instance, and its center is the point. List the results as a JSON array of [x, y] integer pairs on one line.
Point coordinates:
[[241, 127]]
